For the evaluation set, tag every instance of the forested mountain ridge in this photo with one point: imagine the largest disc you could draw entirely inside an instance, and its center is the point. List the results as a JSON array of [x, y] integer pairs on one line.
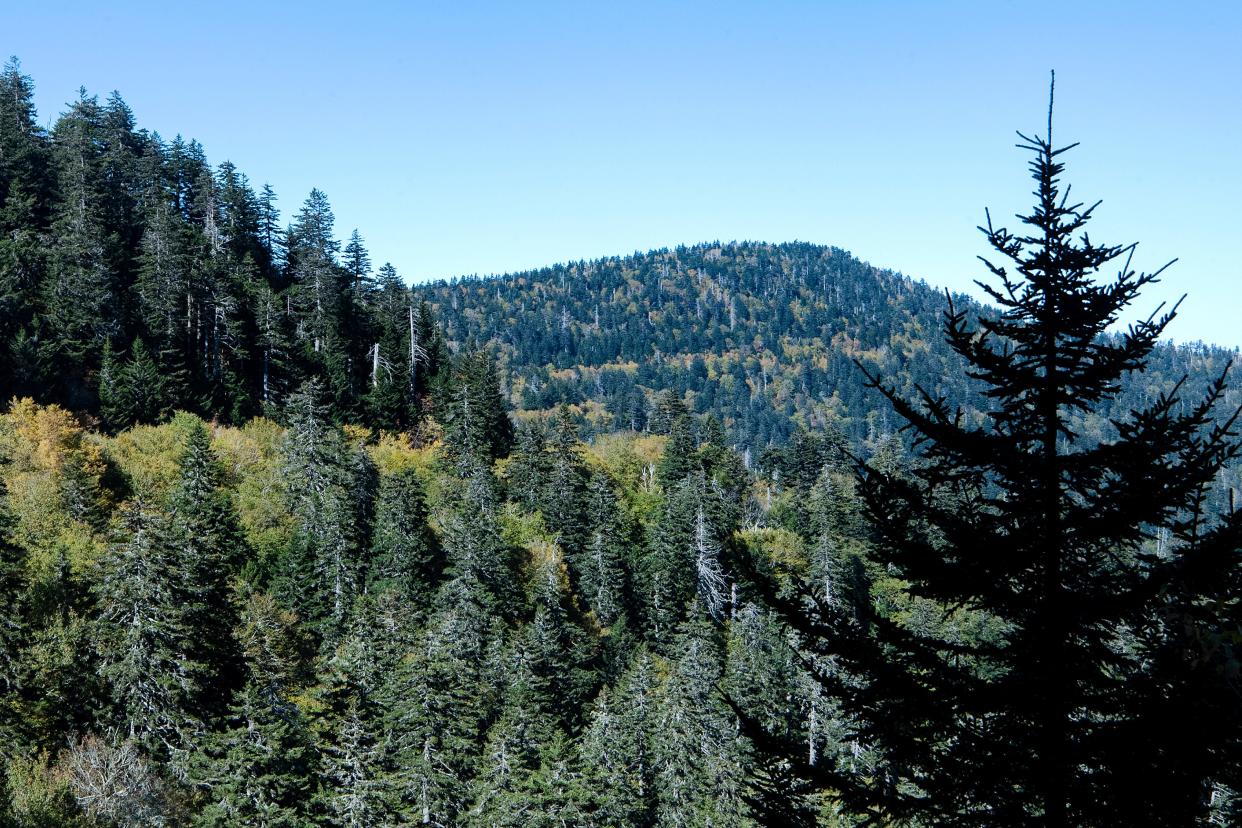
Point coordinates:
[[762, 336], [136, 279]]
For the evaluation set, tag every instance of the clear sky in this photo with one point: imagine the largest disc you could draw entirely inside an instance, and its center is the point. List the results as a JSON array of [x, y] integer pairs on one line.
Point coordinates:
[[470, 137]]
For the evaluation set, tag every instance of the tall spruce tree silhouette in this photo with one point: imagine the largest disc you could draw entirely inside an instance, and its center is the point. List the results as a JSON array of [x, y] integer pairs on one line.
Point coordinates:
[[1108, 693]]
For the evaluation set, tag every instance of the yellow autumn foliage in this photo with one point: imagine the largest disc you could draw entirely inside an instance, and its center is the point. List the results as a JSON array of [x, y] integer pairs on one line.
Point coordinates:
[[41, 443], [779, 547]]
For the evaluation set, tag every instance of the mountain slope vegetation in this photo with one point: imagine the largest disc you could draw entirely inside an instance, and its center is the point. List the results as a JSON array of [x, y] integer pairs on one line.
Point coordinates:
[[136, 279], [285, 541], [764, 337]]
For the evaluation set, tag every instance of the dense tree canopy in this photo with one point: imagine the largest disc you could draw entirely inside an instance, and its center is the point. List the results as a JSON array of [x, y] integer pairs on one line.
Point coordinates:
[[287, 542]]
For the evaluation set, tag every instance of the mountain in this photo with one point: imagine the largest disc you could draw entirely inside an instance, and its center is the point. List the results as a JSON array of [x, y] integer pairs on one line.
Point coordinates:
[[137, 279], [762, 336], [766, 338]]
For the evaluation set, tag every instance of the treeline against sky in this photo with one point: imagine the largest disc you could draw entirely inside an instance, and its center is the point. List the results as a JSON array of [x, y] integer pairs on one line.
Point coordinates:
[[136, 279]]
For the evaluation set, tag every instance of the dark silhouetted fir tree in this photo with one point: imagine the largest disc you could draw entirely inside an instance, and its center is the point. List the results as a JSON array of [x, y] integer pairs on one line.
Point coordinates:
[[1106, 695]]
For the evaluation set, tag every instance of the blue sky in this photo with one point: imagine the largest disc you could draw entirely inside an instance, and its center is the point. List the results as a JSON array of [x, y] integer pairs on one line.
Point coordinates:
[[488, 137]]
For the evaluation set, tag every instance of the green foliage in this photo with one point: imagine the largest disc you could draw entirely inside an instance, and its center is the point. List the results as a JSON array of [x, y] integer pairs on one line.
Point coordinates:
[[558, 652], [212, 549], [685, 558], [697, 753], [477, 426], [147, 609], [678, 460], [667, 599], [405, 553], [321, 572], [619, 765], [257, 770], [602, 569], [12, 597], [354, 789], [38, 795], [138, 390]]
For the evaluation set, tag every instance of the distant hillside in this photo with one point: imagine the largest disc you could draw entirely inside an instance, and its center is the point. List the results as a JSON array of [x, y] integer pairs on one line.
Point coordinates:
[[762, 336]]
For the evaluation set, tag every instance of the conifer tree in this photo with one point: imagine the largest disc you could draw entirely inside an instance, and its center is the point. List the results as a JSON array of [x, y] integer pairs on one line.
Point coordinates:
[[363, 476], [318, 292], [476, 422], [354, 753], [405, 554], [666, 573], [81, 494], [699, 776], [24, 159], [685, 559], [136, 390], [322, 571], [25, 184], [447, 686], [123, 156], [275, 647], [669, 407], [165, 270], [501, 791], [601, 565], [559, 653], [270, 236], [79, 288], [259, 770], [239, 215], [146, 600], [679, 458], [765, 677], [428, 359], [357, 263], [213, 549], [617, 746], [12, 603], [711, 585], [56, 660], [477, 554], [272, 339], [1103, 699], [557, 790], [390, 392], [433, 735], [563, 500], [530, 467], [834, 574]]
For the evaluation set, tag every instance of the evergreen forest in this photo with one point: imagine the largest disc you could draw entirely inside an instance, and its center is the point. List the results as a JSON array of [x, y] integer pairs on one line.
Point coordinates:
[[703, 536]]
